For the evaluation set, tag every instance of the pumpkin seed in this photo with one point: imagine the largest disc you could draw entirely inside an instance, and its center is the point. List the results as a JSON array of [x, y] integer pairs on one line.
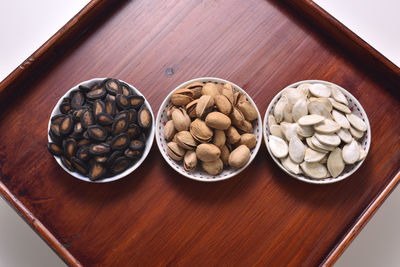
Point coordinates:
[[339, 106], [355, 133], [339, 96], [356, 122], [312, 155], [299, 109], [290, 165], [278, 146], [320, 90], [344, 135], [96, 132], [328, 139], [99, 149], [296, 150], [113, 87], [305, 131], [340, 119], [335, 162], [144, 117], [351, 152], [327, 126], [96, 171], [276, 130], [315, 170], [54, 149], [310, 120], [119, 142], [319, 145]]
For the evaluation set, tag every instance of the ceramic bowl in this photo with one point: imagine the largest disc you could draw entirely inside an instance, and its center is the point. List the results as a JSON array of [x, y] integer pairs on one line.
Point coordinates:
[[356, 109], [146, 151], [198, 174]]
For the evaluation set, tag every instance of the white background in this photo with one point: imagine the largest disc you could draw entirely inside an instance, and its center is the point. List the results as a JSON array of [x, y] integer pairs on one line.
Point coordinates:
[[26, 24]]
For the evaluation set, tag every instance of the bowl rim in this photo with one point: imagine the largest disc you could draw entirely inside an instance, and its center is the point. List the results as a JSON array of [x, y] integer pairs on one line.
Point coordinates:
[[149, 141], [158, 130], [328, 180]]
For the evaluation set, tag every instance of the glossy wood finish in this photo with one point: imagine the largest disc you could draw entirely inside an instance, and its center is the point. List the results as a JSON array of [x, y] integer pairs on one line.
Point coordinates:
[[157, 217]]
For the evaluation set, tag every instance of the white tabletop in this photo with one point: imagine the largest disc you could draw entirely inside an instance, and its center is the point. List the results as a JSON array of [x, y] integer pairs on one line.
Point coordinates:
[[26, 24]]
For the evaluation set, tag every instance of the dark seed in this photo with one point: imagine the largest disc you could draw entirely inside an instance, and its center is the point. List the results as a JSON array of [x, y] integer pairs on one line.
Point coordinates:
[[104, 119], [69, 147], [83, 153], [126, 89], [78, 128], [133, 130], [133, 154], [65, 107], [87, 119], [120, 141], [136, 101], [120, 125], [108, 128], [56, 139], [79, 165], [96, 86], [98, 107], [77, 100], [144, 118], [66, 125], [136, 145], [132, 116], [116, 154], [83, 142], [99, 149], [122, 114], [57, 118], [84, 89], [55, 129], [110, 97], [76, 115], [142, 137], [120, 165], [67, 163], [113, 87], [97, 170], [109, 139], [97, 133], [110, 107], [122, 101], [96, 94], [85, 135], [54, 149], [101, 159]]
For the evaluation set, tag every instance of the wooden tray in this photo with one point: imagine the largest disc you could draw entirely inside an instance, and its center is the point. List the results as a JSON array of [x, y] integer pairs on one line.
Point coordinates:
[[157, 217]]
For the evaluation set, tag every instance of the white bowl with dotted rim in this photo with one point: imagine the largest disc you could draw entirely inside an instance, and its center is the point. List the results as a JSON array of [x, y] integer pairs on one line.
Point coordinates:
[[355, 108], [198, 174], [149, 140]]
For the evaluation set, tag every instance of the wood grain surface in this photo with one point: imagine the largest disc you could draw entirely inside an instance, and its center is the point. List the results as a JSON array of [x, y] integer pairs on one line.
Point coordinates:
[[157, 217]]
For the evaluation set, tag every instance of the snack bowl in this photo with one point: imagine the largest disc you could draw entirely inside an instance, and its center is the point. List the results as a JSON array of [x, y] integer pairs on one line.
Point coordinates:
[[199, 174], [355, 108], [148, 140]]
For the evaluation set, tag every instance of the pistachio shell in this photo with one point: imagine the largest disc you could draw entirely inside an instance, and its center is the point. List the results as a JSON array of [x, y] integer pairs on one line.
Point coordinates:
[[210, 89], [232, 135], [335, 162], [290, 165], [175, 151], [181, 119], [356, 122], [296, 150], [310, 120], [318, 108], [248, 110], [169, 130], [327, 126], [278, 146], [340, 119], [328, 139], [207, 152], [186, 140], [219, 138], [223, 104], [239, 157], [344, 135], [276, 130], [339, 106], [312, 155], [339, 96], [314, 169], [213, 167], [204, 105], [248, 139], [190, 161], [351, 152], [299, 109], [320, 90], [200, 131], [218, 120]]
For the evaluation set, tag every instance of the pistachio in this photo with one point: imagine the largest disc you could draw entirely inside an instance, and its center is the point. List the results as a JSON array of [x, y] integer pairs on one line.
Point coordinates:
[[248, 139], [248, 110], [223, 104], [210, 89], [207, 152], [186, 140], [200, 131], [169, 130], [219, 138], [225, 155], [182, 97], [236, 116], [191, 108], [175, 151], [213, 167], [196, 88], [218, 120], [190, 161], [181, 119], [239, 157], [204, 105], [232, 135], [228, 91], [170, 110]]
